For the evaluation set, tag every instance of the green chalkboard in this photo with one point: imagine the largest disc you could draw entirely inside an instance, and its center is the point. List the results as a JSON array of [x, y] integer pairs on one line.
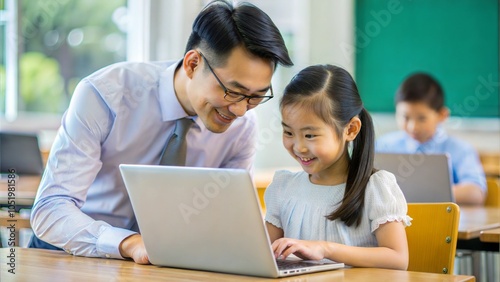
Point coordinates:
[[456, 41]]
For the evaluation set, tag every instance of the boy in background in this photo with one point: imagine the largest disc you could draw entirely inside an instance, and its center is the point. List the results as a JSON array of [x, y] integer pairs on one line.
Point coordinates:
[[420, 111]]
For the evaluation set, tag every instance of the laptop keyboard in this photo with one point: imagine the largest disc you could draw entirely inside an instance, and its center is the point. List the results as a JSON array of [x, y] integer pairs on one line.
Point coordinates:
[[292, 264]]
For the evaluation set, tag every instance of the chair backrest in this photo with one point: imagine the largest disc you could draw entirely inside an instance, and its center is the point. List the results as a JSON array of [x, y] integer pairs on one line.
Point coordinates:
[[432, 236], [7, 220], [493, 196], [491, 163]]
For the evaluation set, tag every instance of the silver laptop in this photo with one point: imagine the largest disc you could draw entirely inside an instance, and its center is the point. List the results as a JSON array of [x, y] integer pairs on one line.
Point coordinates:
[[205, 219], [422, 178]]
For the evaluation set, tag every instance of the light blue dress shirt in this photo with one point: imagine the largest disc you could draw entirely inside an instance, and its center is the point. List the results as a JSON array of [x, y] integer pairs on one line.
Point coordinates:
[[123, 113], [465, 163]]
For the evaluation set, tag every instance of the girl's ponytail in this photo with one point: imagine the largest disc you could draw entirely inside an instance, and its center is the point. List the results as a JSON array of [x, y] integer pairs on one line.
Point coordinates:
[[360, 170]]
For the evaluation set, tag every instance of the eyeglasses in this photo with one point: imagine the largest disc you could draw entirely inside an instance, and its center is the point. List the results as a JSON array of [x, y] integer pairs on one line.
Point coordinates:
[[233, 96]]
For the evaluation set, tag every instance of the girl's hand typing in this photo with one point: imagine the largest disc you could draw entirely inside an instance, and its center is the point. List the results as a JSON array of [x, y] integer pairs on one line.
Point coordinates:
[[311, 250]]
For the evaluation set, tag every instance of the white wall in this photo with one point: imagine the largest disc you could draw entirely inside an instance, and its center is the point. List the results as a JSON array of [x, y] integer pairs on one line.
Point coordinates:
[[159, 29], [318, 28]]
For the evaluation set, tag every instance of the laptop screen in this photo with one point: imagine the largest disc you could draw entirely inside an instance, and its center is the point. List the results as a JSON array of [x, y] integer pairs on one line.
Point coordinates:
[[20, 151], [421, 177]]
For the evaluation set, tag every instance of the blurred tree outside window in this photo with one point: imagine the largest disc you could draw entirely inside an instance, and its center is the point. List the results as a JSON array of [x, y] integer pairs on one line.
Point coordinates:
[[61, 42]]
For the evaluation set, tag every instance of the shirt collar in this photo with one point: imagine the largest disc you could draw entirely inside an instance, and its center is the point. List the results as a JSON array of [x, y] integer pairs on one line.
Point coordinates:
[[439, 137], [170, 106]]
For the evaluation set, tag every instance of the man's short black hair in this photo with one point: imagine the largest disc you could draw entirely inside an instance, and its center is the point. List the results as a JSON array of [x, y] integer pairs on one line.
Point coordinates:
[[221, 26]]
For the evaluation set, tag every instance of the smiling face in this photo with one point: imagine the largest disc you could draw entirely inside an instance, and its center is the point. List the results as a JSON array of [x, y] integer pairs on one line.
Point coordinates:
[[419, 120], [315, 145], [204, 96]]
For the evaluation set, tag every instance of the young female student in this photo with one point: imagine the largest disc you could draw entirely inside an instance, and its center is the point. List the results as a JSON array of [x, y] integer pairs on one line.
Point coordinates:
[[339, 207]]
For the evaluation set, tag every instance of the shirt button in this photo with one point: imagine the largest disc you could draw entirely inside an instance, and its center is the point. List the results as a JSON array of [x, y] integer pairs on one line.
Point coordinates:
[[108, 255]]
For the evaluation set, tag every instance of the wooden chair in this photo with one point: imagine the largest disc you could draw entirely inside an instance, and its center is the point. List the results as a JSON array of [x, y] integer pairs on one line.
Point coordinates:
[[432, 236], [17, 221], [493, 196], [260, 192]]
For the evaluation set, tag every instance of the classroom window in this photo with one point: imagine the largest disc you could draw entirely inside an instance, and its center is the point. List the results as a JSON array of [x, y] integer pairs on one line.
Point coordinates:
[[47, 47]]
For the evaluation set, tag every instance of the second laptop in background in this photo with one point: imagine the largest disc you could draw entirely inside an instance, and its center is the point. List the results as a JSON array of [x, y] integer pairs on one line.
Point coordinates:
[[20, 152], [422, 178]]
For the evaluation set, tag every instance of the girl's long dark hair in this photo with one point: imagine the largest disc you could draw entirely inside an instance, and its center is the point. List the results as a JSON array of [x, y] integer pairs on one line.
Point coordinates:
[[331, 93]]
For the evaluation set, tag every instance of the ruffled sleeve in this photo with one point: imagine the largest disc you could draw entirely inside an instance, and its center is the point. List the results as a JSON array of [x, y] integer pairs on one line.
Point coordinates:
[[385, 201], [273, 200]]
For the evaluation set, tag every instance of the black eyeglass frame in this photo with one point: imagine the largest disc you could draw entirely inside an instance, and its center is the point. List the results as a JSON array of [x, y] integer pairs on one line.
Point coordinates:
[[236, 96]]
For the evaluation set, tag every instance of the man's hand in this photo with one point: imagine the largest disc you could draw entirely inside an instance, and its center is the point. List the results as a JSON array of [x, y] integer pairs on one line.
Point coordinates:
[[133, 247]]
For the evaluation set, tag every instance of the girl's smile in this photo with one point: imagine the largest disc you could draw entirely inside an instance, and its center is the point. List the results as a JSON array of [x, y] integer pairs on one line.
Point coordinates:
[[315, 145]]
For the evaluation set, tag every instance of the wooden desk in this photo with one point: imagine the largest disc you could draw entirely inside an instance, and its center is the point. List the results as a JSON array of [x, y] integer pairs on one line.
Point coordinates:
[[491, 163], [26, 187], [491, 235], [473, 220], [46, 265], [491, 170]]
